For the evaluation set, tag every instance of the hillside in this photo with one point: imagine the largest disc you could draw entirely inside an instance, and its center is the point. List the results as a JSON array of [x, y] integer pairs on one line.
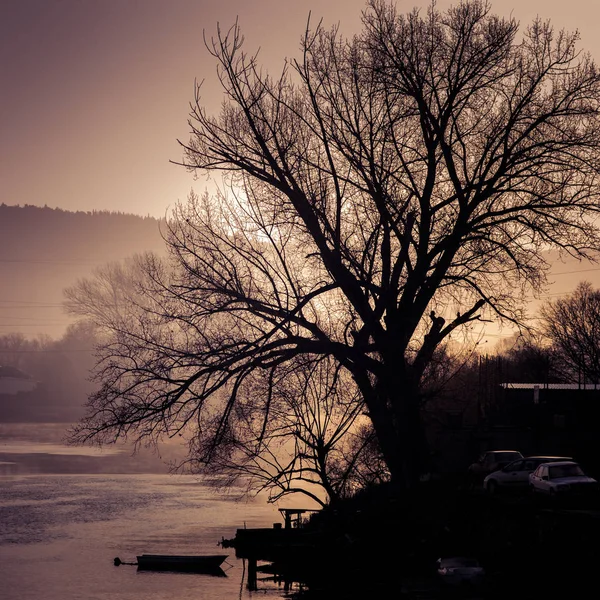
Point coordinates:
[[44, 250]]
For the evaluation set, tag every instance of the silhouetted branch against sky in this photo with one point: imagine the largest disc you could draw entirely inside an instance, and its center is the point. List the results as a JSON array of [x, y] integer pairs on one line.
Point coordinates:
[[381, 193], [572, 324]]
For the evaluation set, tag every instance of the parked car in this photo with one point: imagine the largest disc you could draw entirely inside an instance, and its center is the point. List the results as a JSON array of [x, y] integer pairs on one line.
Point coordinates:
[[460, 570], [565, 477], [491, 461], [515, 475]]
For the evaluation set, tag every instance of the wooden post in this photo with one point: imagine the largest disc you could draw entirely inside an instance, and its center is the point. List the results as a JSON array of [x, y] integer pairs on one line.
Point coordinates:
[[252, 577]]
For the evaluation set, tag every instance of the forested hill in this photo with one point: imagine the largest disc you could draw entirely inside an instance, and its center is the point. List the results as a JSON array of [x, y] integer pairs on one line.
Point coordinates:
[[44, 250], [35, 233]]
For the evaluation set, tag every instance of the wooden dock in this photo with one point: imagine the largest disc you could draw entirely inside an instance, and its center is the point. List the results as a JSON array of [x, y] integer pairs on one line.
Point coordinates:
[[290, 552]]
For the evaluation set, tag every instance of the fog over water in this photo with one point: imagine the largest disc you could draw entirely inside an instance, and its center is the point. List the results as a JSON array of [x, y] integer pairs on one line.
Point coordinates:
[[66, 512], [59, 533]]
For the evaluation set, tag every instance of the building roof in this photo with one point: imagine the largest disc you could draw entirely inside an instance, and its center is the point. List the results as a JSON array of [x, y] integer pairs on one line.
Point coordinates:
[[551, 386], [8, 371]]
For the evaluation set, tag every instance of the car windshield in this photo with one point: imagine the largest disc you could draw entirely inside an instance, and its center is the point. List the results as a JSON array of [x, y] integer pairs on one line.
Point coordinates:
[[564, 471], [503, 456]]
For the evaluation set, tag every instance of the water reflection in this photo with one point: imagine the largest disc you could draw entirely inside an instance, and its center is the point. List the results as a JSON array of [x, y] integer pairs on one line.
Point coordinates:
[[60, 534]]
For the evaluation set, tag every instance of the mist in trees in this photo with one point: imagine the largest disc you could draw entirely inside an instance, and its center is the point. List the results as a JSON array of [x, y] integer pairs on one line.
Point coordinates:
[[48, 249], [61, 369], [380, 196]]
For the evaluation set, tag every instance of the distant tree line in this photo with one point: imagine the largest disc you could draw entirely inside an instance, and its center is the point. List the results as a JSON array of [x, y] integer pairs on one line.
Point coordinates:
[[47, 233], [61, 369], [29, 209]]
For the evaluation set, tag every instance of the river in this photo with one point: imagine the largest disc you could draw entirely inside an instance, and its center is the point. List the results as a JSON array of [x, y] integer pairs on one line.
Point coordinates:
[[60, 534]]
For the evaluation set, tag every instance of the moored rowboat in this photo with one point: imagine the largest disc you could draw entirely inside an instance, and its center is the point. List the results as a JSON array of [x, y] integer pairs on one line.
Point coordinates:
[[175, 562]]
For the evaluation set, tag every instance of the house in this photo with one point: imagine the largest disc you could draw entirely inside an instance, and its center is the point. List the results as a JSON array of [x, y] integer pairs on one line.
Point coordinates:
[[13, 381]]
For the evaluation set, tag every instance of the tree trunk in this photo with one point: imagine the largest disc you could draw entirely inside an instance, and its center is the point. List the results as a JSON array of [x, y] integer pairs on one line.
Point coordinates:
[[394, 409]]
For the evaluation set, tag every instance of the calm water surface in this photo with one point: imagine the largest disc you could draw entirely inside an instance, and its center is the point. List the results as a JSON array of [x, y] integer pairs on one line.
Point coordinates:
[[59, 535]]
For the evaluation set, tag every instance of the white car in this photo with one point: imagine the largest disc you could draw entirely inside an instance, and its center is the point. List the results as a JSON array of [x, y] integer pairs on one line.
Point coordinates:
[[565, 477], [515, 475], [460, 570]]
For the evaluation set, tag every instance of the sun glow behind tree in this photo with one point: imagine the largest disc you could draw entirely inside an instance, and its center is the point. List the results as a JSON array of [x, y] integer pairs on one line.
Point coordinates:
[[397, 189]]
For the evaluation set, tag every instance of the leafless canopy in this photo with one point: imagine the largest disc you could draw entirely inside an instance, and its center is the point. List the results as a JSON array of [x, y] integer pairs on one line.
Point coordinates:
[[381, 193], [572, 324]]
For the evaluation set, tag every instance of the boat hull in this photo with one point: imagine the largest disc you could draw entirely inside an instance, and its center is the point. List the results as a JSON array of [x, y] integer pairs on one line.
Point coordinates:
[[210, 563]]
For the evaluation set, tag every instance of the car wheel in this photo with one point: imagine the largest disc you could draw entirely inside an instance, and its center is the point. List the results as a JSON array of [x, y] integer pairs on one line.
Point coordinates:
[[492, 487]]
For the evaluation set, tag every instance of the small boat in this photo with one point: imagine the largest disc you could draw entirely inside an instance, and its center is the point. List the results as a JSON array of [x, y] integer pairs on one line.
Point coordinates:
[[204, 563]]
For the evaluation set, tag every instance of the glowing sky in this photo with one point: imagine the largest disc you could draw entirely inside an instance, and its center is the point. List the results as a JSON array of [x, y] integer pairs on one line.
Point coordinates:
[[94, 93]]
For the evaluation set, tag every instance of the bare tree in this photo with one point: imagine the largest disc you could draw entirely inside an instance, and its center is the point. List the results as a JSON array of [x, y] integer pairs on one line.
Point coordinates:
[[572, 324], [311, 443], [14, 348], [292, 429], [529, 357], [380, 194]]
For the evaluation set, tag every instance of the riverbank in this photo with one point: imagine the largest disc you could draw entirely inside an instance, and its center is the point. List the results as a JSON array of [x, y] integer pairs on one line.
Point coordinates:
[[384, 543]]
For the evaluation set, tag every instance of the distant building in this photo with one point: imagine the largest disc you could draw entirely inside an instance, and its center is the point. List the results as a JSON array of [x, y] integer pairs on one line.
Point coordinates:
[[14, 381], [570, 405], [534, 418]]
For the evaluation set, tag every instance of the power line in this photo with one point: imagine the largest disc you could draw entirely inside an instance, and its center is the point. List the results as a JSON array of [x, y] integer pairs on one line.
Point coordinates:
[[16, 326], [30, 303], [78, 351], [11, 317], [31, 306], [576, 271], [30, 261]]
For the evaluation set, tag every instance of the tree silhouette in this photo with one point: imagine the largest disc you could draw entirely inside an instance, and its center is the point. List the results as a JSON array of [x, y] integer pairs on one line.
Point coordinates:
[[380, 194], [313, 442], [572, 324]]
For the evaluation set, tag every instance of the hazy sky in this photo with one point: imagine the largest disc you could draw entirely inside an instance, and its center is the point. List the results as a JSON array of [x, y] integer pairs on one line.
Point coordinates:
[[94, 93]]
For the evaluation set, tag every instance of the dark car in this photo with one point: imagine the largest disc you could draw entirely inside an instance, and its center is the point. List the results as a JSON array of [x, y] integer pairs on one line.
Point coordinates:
[[515, 475], [491, 461], [460, 571]]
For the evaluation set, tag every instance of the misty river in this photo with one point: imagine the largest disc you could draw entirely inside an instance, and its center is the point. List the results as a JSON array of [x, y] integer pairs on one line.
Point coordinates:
[[60, 533]]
